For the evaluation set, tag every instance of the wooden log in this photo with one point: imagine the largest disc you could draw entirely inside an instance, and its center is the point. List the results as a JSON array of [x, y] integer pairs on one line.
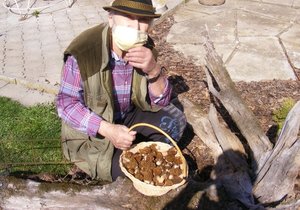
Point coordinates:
[[277, 169], [201, 126], [238, 110], [214, 134], [231, 168], [227, 140], [292, 206], [277, 177]]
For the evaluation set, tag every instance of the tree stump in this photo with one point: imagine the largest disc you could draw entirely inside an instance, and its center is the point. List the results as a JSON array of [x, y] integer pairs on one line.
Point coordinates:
[[273, 170]]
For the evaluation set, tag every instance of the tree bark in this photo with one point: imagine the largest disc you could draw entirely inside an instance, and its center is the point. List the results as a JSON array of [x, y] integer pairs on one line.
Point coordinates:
[[231, 168], [280, 171], [201, 126]]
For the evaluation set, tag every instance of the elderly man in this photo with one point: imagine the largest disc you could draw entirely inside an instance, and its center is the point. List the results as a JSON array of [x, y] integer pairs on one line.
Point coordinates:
[[111, 81]]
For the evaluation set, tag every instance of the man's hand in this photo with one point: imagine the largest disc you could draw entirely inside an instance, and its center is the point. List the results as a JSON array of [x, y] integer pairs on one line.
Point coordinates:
[[142, 58], [119, 135]]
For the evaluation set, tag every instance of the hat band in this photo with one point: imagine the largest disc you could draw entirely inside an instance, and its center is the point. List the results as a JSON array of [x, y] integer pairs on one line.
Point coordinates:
[[133, 5]]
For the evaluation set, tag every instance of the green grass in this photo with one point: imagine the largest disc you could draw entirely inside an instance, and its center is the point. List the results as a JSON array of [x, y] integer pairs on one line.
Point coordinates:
[[30, 138]]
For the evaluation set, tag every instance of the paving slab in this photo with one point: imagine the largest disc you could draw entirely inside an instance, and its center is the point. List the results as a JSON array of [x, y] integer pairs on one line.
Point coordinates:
[[245, 34], [222, 27], [280, 2], [291, 42], [296, 4], [253, 24], [259, 59], [50, 31], [278, 12]]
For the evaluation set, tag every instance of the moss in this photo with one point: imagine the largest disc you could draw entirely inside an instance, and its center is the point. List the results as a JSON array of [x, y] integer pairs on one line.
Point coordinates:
[[280, 114]]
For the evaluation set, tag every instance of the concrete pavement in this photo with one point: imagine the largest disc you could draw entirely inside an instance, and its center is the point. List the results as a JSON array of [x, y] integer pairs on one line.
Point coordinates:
[[32, 45], [258, 40]]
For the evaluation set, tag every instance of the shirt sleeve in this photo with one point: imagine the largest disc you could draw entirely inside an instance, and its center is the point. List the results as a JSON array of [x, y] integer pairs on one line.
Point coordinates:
[[70, 101], [164, 98]]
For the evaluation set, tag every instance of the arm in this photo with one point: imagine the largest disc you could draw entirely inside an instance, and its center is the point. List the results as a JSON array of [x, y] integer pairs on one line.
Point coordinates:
[[70, 102], [159, 87], [164, 98], [72, 109]]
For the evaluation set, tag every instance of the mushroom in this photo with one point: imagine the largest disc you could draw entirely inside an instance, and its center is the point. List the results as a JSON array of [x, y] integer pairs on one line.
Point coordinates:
[[175, 171], [168, 182], [157, 171]]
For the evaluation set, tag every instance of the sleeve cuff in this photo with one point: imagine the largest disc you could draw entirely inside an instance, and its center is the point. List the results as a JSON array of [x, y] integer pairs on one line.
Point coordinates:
[[162, 99], [94, 125]]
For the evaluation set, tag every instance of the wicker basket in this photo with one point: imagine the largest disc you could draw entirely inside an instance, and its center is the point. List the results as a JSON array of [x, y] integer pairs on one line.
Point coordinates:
[[149, 189]]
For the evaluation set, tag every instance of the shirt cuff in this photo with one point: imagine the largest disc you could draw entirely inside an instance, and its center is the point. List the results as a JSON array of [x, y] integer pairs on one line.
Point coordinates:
[[164, 98], [94, 125]]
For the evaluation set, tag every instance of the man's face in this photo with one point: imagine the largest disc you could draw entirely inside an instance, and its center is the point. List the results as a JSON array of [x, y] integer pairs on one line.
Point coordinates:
[[139, 23]]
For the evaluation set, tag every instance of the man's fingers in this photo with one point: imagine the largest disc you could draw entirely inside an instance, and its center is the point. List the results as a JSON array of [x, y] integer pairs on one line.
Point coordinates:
[[125, 146], [133, 133], [137, 49], [133, 58]]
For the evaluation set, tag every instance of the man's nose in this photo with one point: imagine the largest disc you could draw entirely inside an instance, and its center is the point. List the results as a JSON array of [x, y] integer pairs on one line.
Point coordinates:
[[134, 23]]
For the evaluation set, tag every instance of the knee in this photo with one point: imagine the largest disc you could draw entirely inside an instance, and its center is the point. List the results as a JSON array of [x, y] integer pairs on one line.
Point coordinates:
[[181, 125], [176, 123]]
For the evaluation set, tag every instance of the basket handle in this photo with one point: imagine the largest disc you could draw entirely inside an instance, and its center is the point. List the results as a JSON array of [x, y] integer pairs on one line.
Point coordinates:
[[166, 135]]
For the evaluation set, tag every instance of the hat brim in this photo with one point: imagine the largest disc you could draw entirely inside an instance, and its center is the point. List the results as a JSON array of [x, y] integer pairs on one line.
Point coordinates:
[[137, 12]]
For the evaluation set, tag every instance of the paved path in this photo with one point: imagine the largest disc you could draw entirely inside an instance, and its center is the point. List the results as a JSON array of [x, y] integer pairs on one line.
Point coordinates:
[[32, 48], [259, 40]]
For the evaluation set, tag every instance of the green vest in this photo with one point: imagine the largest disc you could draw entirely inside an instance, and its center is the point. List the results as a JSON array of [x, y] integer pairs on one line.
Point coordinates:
[[92, 52]]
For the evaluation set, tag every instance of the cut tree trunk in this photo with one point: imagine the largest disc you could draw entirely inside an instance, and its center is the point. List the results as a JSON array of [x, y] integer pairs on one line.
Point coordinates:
[[239, 112], [276, 168], [215, 135], [231, 168], [281, 169]]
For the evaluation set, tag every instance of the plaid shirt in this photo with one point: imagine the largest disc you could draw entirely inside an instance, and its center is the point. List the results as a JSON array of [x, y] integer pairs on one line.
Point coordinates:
[[70, 101]]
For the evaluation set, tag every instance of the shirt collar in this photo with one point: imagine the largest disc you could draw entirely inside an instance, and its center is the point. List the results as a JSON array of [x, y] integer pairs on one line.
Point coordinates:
[[116, 57]]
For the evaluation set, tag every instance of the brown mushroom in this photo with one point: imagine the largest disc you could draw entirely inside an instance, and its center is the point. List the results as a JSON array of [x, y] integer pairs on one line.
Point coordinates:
[[145, 150], [168, 182], [176, 180], [172, 151], [175, 171], [157, 171]]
